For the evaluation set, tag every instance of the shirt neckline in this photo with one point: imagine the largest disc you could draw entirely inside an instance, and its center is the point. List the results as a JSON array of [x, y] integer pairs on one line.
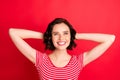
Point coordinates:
[[56, 66]]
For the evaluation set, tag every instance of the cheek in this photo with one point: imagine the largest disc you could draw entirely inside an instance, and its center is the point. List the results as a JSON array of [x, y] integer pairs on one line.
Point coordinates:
[[68, 38], [54, 39]]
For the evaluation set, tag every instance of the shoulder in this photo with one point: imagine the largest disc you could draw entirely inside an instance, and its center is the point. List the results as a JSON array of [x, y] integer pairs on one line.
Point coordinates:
[[39, 57], [79, 58]]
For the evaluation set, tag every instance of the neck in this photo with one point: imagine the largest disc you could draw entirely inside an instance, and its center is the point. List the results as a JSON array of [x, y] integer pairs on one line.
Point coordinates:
[[60, 53]]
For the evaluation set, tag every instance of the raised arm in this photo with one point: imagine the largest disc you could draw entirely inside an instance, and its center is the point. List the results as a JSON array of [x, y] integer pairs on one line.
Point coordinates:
[[105, 41], [18, 36]]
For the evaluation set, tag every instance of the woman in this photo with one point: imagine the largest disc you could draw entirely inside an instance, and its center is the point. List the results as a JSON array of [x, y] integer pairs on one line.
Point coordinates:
[[59, 37]]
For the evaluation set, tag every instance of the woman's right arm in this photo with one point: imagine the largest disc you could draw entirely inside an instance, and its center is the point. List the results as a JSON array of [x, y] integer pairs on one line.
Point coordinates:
[[18, 36]]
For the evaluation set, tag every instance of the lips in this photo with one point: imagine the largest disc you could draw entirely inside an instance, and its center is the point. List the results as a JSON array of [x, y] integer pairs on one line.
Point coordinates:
[[61, 43]]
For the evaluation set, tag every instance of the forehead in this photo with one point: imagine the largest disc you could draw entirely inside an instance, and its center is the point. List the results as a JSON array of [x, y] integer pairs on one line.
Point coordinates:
[[60, 27]]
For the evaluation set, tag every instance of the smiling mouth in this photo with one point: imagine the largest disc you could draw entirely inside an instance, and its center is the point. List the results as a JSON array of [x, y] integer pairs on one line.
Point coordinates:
[[61, 43]]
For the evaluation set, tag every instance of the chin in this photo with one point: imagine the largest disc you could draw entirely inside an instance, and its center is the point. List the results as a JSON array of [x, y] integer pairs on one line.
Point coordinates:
[[62, 48]]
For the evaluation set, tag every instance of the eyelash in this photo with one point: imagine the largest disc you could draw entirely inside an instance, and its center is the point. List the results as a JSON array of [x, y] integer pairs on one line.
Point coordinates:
[[57, 34], [65, 33]]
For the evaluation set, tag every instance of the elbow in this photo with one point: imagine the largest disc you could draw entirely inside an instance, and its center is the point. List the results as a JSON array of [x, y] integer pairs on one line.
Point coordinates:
[[11, 31], [112, 39], [109, 39]]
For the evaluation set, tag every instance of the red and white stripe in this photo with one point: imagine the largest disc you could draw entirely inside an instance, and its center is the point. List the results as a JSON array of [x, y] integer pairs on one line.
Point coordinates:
[[47, 71]]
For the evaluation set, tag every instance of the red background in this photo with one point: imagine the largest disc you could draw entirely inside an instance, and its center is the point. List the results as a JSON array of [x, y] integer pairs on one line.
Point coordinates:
[[85, 15]]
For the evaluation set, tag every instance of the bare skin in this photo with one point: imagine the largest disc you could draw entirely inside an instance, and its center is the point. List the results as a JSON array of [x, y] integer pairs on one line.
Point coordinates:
[[60, 55]]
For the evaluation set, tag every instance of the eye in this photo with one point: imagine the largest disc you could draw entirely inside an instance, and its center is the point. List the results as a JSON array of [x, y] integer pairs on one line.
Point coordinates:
[[66, 33], [55, 34]]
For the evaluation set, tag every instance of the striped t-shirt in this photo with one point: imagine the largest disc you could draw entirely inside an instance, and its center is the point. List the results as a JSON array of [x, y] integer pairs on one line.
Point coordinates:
[[47, 71]]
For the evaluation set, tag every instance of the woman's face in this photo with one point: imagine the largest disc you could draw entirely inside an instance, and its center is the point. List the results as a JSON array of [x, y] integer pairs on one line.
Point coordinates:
[[61, 36]]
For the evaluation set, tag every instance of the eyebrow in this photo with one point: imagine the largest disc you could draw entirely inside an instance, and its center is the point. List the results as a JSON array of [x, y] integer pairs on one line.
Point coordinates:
[[58, 32]]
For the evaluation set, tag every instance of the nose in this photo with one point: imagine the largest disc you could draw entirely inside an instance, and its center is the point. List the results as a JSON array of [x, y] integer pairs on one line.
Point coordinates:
[[61, 37]]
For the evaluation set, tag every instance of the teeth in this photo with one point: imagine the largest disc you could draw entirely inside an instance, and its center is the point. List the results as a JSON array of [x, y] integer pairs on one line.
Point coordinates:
[[61, 43]]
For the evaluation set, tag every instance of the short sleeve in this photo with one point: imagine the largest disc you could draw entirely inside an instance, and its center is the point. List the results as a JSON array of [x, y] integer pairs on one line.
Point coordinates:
[[39, 56], [80, 60]]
